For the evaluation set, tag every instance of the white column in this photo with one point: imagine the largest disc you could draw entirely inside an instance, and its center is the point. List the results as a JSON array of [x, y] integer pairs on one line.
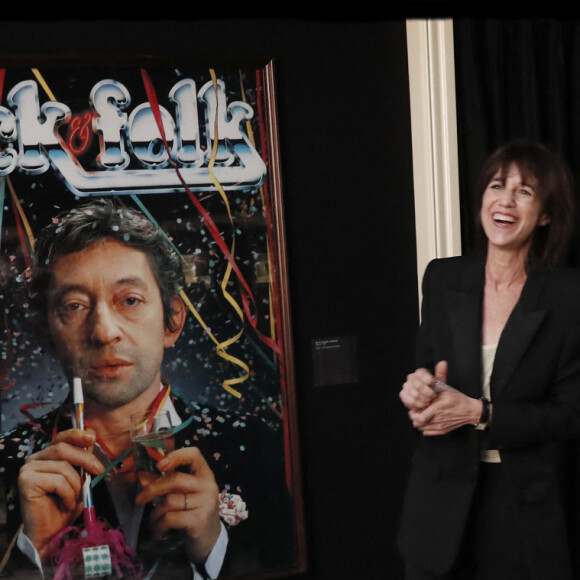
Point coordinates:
[[434, 138]]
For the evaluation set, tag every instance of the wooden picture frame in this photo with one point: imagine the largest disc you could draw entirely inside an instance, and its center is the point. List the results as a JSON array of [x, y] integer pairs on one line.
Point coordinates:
[[195, 149]]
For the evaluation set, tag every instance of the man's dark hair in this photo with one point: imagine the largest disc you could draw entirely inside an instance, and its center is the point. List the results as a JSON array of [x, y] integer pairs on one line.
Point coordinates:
[[93, 222]]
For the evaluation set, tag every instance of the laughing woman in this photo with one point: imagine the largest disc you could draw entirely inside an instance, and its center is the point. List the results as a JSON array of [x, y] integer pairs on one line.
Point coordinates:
[[497, 392]]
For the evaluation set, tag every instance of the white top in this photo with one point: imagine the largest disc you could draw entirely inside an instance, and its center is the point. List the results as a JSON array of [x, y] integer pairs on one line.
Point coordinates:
[[488, 357]]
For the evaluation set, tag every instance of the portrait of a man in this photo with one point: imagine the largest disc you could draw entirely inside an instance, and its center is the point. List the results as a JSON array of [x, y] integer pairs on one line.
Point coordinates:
[[153, 309]]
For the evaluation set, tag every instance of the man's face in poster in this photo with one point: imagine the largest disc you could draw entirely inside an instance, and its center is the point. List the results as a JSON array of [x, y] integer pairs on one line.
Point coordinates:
[[105, 316]]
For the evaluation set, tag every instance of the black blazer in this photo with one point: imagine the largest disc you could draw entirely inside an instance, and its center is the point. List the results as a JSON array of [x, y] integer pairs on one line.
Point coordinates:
[[535, 390]]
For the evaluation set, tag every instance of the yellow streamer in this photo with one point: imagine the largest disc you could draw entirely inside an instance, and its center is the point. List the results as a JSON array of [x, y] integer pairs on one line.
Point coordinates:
[[220, 348], [249, 129], [43, 84]]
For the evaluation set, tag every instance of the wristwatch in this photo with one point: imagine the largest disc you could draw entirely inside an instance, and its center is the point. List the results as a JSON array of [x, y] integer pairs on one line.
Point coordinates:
[[484, 418]]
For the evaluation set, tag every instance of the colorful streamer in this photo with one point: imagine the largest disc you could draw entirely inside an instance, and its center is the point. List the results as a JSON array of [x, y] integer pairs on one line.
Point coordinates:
[[273, 289], [2, 77], [247, 296], [269, 245], [220, 346]]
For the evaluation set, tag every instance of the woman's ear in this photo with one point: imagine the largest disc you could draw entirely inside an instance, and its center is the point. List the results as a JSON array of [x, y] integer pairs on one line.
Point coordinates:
[[544, 220], [177, 321]]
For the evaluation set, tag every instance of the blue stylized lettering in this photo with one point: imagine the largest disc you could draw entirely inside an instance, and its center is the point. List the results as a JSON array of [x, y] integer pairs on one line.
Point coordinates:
[[108, 98], [37, 126], [132, 158]]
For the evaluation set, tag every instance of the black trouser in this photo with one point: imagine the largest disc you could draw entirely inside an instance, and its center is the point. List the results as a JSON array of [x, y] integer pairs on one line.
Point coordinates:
[[492, 548]]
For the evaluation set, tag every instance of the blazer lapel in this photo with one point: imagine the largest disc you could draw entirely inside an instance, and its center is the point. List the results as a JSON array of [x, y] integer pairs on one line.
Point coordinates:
[[522, 325], [464, 304]]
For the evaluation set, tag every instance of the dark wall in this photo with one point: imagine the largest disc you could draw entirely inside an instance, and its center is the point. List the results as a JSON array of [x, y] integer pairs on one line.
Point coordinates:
[[347, 185]]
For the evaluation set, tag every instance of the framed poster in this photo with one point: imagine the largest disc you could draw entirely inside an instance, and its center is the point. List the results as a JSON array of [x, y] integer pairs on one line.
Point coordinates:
[[194, 151]]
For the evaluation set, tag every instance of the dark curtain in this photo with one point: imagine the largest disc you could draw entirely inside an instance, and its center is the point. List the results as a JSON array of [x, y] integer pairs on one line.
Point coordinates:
[[515, 79]]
